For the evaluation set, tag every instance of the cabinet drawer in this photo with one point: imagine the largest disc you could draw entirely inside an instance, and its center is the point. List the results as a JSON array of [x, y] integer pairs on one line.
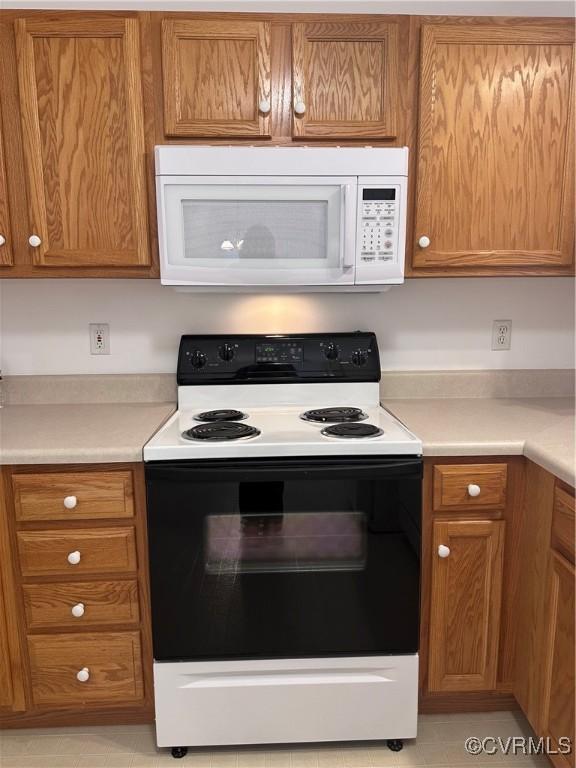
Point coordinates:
[[71, 552], [111, 664], [467, 486], [73, 495], [81, 603], [563, 528]]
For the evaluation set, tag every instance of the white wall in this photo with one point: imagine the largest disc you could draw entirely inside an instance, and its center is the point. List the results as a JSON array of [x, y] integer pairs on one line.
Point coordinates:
[[424, 324]]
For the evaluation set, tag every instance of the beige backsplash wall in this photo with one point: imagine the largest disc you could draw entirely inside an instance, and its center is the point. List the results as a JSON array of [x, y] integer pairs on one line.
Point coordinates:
[[423, 325]]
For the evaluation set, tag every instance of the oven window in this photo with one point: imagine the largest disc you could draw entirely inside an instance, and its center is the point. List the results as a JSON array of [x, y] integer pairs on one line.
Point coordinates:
[[262, 562]]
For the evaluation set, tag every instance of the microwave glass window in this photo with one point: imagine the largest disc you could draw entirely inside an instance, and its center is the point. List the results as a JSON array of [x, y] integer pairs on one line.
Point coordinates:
[[272, 230]]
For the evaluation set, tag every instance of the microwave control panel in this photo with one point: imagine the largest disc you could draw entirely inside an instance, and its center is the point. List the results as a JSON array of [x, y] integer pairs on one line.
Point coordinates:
[[380, 230]]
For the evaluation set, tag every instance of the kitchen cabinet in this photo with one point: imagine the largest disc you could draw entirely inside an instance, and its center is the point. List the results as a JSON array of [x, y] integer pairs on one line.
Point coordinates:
[[5, 230], [557, 714], [216, 77], [81, 109], [495, 168], [465, 609], [345, 79], [82, 619]]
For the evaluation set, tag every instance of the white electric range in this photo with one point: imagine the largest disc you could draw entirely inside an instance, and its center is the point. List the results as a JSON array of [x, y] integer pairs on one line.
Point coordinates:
[[284, 510]]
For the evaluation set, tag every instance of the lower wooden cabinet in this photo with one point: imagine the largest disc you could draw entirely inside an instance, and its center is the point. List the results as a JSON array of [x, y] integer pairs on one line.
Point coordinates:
[[467, 562], [557, 714]]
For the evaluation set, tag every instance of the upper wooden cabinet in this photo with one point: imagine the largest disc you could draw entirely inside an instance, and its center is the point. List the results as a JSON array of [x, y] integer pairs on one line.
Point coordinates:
[[5, 231], [467, 563], [345, 79], [83, 140], [216, 77], [495, 159]]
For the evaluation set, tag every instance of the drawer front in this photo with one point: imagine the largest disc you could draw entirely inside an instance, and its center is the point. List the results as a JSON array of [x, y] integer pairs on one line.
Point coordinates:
[[468, 486], [563, 527], [110, 667], [81, 603], [72, 552], [73, 495]]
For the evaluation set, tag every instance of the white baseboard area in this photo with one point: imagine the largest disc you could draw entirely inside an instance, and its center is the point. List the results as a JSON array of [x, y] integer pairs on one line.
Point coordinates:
[[286, 700]]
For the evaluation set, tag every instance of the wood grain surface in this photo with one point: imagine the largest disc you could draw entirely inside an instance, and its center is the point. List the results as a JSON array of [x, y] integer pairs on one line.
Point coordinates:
[[557, 714], [563, 522], [82, 123], [495, 172], [105, 602], [215, 74], [113, 659], [346, 75], [98, 494], [103, 550], [451, 486], [465, 609], [5, 226]]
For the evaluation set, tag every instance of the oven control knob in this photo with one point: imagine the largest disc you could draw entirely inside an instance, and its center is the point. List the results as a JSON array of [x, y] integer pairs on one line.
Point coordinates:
[[359, 357], [226, 352], [331, 351], [198, 359]]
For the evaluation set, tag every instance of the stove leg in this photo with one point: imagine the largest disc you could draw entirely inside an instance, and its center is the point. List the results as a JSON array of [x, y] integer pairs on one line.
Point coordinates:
[[395, 744], [179, 751]]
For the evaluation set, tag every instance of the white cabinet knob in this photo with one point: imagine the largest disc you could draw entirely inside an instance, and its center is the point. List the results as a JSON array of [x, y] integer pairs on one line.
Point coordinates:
[[2, 239], [264, 106], [70, 502], [78, 610], [473, 490], [424, 241], [34, 241], [74, 557], [83, 675], [443, 550], [299, 107]]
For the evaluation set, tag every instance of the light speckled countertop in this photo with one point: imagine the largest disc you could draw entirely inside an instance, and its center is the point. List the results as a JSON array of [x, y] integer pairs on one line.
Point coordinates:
[[540, 428], [71, 434]]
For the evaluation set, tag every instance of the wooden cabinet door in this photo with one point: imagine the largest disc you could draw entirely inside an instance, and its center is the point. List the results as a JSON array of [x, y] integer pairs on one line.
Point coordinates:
[[344, 79], [5, 231], [465, 605], [557, 714], [6, 690], [495, 162], [83, 135], [216, 77]]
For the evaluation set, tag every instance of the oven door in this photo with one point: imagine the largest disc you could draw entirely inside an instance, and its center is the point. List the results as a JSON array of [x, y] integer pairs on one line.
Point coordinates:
[[257, 231], [284, 558]]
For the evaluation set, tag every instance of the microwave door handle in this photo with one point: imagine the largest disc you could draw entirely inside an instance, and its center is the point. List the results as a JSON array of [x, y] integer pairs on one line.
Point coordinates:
[[346, 259]]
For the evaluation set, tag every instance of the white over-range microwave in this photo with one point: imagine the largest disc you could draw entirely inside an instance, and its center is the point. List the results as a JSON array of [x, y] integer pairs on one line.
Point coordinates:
[[281, 218]]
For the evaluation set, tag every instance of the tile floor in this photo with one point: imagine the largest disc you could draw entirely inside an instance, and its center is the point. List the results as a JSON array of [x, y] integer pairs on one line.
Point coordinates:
[[440, 744]]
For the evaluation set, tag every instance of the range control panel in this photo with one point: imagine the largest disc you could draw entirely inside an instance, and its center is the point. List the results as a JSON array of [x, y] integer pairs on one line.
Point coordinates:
[[378, 224], [253, 359]]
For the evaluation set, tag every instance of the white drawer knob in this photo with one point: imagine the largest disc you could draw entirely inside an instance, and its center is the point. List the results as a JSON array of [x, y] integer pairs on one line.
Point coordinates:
[[299, 107], [2, 239], [424, 241], [74, 557], [78, 610], [70, 502], [443, 550], [34, 241], [83, 675], [473, 490], [264, 106]]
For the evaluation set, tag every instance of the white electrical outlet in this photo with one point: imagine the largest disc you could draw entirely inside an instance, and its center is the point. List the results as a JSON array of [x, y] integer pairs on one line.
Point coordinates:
[[501, 334], [99, 338]]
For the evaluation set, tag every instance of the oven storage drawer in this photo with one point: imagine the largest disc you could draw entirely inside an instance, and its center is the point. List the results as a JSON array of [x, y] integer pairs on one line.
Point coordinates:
[[73, 495], [85, 668], [81, 603], [236, 702], [71, 552]]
